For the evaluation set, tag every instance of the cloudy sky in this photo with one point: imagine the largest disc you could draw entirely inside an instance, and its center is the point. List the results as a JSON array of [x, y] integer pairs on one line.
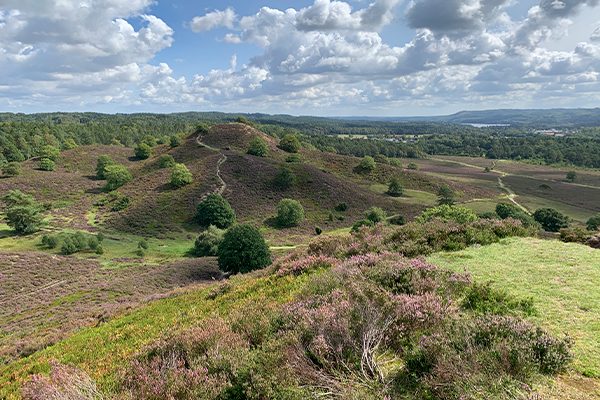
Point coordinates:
[[319, 57]]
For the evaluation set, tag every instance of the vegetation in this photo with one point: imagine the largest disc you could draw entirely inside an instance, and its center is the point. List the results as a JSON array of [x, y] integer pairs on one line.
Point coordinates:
[[11, 169], [116, 176], [375, 215], [551, 219], [166, 161], [174, 141], [181, 176], [290, 143], [461, 215], [103, 162], [23, 213], [505, 210], [366, 165], [284, 179], [243, 249], [50, 152], [46, 164], [143, 151], [593, 224], [289, 213], [207, 243], [215, 210], [446, 196], [571, 176], [258, 147], [395, 188]]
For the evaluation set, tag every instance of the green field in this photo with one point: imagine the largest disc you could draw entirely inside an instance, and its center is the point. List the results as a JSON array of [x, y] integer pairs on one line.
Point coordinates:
[[562, 278]]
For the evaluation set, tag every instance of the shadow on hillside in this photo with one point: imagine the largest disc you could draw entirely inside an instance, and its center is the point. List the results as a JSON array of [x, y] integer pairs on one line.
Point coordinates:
[[97, 190]]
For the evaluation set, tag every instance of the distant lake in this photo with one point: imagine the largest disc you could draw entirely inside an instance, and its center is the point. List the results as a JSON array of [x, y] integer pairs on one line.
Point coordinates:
[[484, 125]]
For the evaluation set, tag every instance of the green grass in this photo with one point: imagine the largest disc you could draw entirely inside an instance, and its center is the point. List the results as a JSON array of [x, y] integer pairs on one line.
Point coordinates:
[[562, 278], [576, 213], [103, 350], [409, 196], [481, 206]]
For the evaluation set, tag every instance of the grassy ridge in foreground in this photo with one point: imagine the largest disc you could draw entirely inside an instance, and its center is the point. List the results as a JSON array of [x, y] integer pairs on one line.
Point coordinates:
[[562, 279], [102, 350]]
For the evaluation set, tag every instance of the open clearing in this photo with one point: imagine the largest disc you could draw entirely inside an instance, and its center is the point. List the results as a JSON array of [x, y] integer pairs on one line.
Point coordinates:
[[562, 279]]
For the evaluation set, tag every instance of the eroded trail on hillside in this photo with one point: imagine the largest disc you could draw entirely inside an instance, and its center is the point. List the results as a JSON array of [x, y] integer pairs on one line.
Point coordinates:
[[222, 184]]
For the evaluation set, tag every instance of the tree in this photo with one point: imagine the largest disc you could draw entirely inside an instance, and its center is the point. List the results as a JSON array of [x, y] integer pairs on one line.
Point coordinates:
[[166, 161], [207, 243], [47, 164], [284, 179], [143, 151], [395, 188], [593, 224], [258, 147], [174, 141], [290, 143], [23, 213], [215, 210], [505, 210], [446, 195], [289, 213], [551, 220], [181, 176], [101, 164], [11, 169], [571, 176], [366, 165], [376, 215], [243, 249], [116, 176], [50, 152]]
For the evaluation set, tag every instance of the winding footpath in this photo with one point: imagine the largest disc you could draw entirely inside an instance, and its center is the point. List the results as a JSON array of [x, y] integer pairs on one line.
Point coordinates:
[[222, 184]]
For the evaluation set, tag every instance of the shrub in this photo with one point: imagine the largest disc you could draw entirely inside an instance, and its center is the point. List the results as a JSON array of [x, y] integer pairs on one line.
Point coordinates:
[[289, 213], [243, 249], [366, 165], [47, 164], [143, 151], [116, 176], [488, 215], [412, 166], [149, 140], [284, 179], [571, 176], [50, 241], [360, 223], [594, 242], [70, 144], [23, 213], [290, 143], [166, 161], [484, 299], [341, 207], [293, 158], [395, 188], [593, 224], [50, 152], [207, 243], [376, 215], [103, 162], [121, 203], [318, 230], [461, 215], [143, 244], [574, 235], [181, 176], [174, 141], [397, 220], [258, 147], [63, 383], [446, 195], [551, 220], [12, 168], [215, 210], [75, 242], [504, 210]]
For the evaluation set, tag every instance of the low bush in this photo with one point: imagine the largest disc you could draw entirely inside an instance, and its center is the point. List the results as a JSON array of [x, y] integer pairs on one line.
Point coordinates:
[[22, 212], [50, 241], [290, 143], [551, 220], [395, 188], [375, 215], [101, 164], [63, 383], [143, 151], [484, 299], [258, 147], [215, 210], [175, 141], [46, 164], [207, 243], [289, 213], [166, 161], [574, 235], [284, 179], [505, 210], [366, 165], [181, 176], [461, 215], [593, 224], [293, 158], [116, 176], [12, 168], [243, 249], [341, 207]]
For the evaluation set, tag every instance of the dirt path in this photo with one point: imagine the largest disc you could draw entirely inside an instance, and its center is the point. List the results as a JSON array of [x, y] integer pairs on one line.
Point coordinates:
[[511, 195], [222, 184]]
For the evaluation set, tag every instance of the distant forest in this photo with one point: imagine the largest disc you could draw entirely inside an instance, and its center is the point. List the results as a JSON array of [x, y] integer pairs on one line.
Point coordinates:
[[22, 136]]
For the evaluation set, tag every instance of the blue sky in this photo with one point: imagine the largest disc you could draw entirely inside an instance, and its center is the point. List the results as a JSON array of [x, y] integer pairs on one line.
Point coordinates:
[[318, 57]]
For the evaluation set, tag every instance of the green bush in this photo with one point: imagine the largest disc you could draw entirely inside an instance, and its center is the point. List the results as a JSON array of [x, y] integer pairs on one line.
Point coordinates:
[[120, 203], [571, 176], [143, 151], [461, 215], [12, 168], [484, 299], [47, 164], [215, 210], [574, 235], [166, 161], [397, 220], [50, 241], [360, 223], [73, 243], [395, 188], [103, 162], [181, 176], [174, 141], [207, 243], [143, 244], [284, 179], [258, 147], [318, 230], [412, 166], [366, 165], [243, 249], [50, 152], [376, 215], [504, 210], [290, 143], [293, 158], [551, 220], [116, 176], [593, 224], [446, 195], [341, 207], [23, 213], [289, 213]]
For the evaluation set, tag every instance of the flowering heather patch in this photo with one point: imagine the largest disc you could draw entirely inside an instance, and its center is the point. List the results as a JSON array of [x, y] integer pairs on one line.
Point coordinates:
[[63, 383], [305, 264]]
